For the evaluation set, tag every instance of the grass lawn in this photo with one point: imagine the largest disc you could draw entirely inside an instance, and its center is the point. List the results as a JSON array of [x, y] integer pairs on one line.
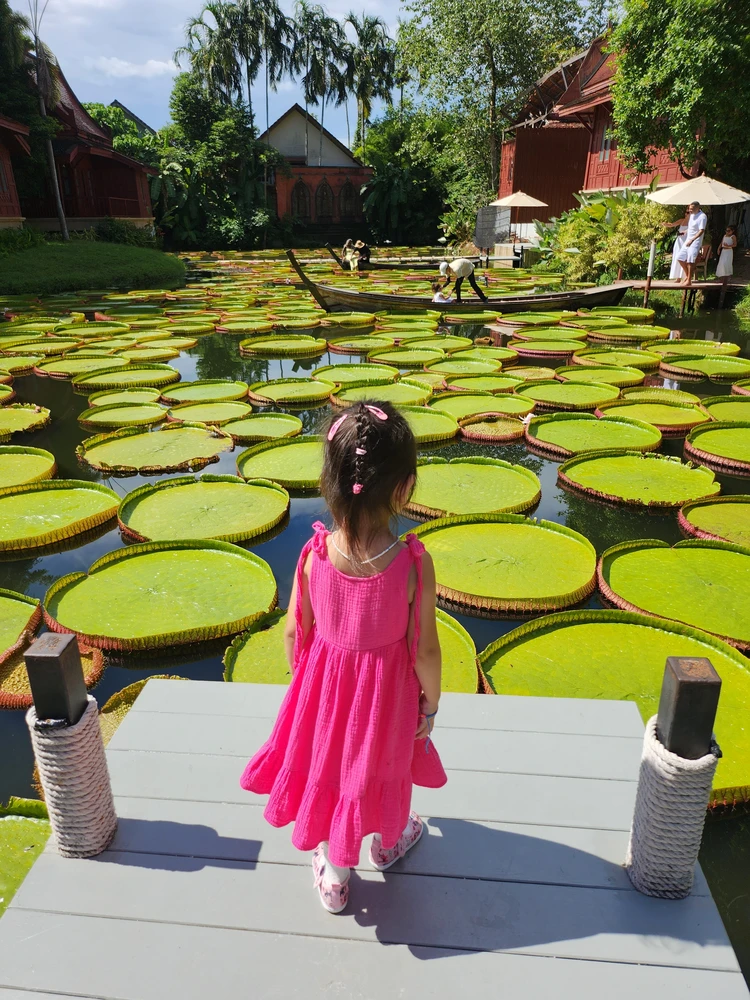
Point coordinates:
[[70, 267]]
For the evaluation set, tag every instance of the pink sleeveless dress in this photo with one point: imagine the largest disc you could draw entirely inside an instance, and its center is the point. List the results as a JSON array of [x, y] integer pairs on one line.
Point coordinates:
[[342, 757]]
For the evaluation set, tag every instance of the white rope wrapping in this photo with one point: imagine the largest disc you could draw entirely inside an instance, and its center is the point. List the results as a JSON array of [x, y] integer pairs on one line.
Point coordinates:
[[670, 810], [75, 779]]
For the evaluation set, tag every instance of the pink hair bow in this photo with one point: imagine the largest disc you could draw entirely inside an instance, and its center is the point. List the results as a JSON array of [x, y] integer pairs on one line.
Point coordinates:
[[374, 410]]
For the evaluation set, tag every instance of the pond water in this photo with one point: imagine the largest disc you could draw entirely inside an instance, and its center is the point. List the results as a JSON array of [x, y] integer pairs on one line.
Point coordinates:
[[727, 848]]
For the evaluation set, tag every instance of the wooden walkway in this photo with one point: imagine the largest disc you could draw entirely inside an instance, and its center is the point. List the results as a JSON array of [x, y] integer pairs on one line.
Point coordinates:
[[516, 892]]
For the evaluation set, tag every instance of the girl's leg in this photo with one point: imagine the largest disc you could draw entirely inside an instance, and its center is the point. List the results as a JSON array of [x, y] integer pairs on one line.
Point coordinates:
[[331, 881], [382, 859], [336, 874]]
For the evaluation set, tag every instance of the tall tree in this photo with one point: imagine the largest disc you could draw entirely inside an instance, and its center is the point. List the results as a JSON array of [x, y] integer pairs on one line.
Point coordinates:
[[683, 83], [373, 56], [310, 26], [218, 52], [328, 70]]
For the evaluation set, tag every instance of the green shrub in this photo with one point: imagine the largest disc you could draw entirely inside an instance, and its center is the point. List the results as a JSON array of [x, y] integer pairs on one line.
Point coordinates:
[[121, 231], [15, 240], [68, 267]]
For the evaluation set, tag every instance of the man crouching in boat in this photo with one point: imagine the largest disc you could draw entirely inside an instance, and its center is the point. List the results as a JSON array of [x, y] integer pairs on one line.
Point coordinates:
[[457, 270]]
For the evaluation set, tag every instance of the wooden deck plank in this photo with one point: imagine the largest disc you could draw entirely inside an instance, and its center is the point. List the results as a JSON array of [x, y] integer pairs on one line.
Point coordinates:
[[500, 798], [451, 847], [509, 712], [88, 957], [615, 758], [604, 925]]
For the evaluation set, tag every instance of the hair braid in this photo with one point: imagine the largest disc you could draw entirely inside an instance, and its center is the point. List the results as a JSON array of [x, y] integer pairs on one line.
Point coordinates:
[[360, 444]]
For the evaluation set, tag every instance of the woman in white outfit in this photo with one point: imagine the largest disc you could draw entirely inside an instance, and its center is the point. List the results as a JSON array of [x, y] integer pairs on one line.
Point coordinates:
[[675, 271], [725, 267], [696, 229]]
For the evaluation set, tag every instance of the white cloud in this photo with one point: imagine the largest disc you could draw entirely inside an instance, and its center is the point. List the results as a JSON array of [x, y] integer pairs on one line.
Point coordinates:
[[120, 68]]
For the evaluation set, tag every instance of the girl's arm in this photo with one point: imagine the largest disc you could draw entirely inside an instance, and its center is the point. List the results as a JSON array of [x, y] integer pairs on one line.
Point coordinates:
[[290, 632], [428, 663]]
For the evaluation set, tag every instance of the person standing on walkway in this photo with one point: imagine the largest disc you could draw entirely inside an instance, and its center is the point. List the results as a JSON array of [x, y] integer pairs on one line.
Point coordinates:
[[675, 271], [696, 229], [353, 732], [725, 267], [457, 270]]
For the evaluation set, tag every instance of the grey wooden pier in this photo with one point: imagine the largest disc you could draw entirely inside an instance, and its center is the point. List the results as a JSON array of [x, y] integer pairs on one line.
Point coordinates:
[[518, 891]]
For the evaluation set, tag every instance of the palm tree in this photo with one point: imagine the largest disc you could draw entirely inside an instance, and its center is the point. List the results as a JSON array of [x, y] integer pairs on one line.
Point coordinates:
[[214, 46], [374, 59], [328, 70], [309, 21], [47, 93], [14, 42]]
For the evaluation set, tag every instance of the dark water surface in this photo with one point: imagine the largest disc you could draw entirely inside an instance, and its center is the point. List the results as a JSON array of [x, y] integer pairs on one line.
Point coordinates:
[[726, 852]]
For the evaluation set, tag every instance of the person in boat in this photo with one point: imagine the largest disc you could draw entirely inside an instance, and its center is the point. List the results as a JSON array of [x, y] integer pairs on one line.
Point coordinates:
[[675, 271], [696, 229], [456, 271], [363, 255], [347, 253], [438, 295]]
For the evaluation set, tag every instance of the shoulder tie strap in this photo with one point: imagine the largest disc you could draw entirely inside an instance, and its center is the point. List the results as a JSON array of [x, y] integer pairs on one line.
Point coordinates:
[[315, 544]]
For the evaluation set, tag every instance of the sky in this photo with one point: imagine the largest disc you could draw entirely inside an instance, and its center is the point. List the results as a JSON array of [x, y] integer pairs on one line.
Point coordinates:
[[122, 49]]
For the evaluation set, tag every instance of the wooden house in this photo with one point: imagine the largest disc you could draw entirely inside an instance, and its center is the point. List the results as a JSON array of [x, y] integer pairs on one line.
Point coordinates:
[[12, 143]]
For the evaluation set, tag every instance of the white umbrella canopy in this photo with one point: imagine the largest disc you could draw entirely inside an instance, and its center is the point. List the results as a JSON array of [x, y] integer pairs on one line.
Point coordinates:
[[518, 200], [704, 190]]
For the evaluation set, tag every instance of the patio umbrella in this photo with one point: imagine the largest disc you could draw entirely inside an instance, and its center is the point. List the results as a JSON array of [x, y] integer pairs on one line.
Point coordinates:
[[519, 199], [704, 190]]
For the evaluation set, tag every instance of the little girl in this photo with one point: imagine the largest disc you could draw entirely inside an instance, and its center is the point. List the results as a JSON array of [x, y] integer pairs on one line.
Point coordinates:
[[438, 295], [725, 268], [352, 734]]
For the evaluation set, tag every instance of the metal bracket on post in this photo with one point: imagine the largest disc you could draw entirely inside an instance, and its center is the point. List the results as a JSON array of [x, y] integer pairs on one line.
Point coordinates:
[[687, 708]]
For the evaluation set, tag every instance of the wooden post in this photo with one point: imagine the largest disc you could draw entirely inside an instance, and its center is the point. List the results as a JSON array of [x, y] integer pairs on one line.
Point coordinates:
[[649, 273], [687, 707], [683, 303], [53, 663]]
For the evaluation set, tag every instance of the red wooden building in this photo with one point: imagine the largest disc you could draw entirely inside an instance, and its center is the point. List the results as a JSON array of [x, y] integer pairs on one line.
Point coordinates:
[[95, 180], [322, 189], [561, 143]]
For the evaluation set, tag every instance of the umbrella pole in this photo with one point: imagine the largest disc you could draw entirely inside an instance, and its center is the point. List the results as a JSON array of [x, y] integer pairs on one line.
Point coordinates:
[[650, 273]]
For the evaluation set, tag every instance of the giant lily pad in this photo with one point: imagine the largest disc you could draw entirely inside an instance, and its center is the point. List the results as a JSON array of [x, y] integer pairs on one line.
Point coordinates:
[[550, 333], [223, 507], [123, 378], [483, 383], [19, 617], [632, 314], [643, 479], [554, 395], [296, 462], [444, 342], [724, 445], [487, 564], [39, 514], [294, 391], [71, 367], [659, 394], [530, 373], [492, 428], [741, 388], [721, 368], [545, 348], [697, 582], [44, 345], [207, 391], [724, 519], [170, 448], [210, 413], [672, 419], [406, 357], [622, 358], [160, 594], [24, 465], [476, 485], [629, 334], [18, 365], [728, 407], [453, 365], [429, 425], [18, 417], [603, 374], [621, 655], [532, 318], [149, 353], [15, 690], [264, 427], [359, 345], [344, 374], [694, 348], [173, 343], [466, 404], [108, 397], [480, 352], [289, 347], [406, 392], [114, 415], [561, 435]]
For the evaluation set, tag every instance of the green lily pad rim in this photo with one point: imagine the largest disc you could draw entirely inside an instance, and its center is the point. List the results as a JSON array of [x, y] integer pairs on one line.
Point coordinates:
[[709, 402], [372, 356], [150, 470], [715, 351], [674, 368], [499, 353], [449, 622], [298, 346], [173, 413], [35, 617], [593, 356], [565, 480], [515, 427], [255, 391], [433, 512], [163, 375], [107, 392], [199, 634], [339, 344], [375, 385], [554, 350], [544, 404], [44, 419], [720, 797], [632, 376], [688, 528], [20, 701], [79, 527], [241, 392], [741, 388], [285, 417], [627, 335], [149, 488], [17, 449], [261, 446], [557, 451], [634, 544], [492, 606], [733, 466], [262, 624], [668, 430], [327, 373], [442, 435], [450, 381], [84, 418], [659, 393]]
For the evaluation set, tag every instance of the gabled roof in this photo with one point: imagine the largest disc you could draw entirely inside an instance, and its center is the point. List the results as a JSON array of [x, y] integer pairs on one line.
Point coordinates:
[[547, 91], [138, 122], [593, 82], [16, 133], [72, 113], [296, 108]]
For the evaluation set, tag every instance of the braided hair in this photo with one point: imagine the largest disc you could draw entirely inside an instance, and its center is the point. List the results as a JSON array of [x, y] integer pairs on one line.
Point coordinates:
[[368, 461]]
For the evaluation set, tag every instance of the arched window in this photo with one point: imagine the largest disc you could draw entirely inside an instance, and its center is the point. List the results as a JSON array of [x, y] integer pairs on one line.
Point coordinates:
[[349, 207], [324, 202], [300, 200]]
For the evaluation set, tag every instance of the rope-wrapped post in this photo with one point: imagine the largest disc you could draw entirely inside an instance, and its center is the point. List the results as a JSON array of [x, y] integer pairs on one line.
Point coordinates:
[[68, 746], [674, 783]]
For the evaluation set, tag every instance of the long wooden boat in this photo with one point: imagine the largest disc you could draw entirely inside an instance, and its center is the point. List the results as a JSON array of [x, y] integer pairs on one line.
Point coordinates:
[[425, 264], [339, 299]]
